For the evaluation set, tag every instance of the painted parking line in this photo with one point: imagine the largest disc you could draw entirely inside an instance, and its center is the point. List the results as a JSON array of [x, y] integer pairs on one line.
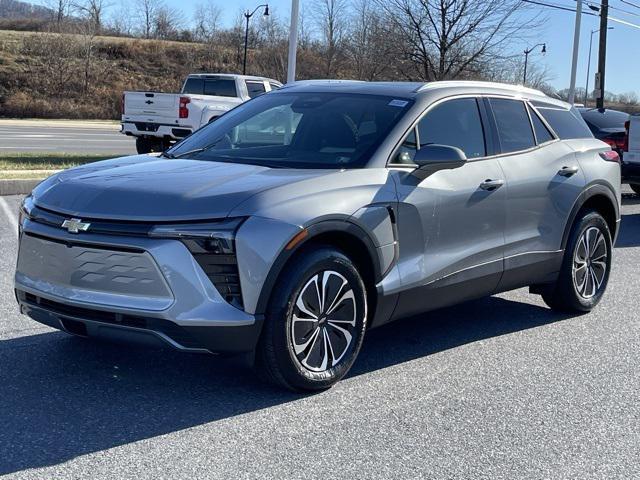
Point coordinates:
[[13, 220]]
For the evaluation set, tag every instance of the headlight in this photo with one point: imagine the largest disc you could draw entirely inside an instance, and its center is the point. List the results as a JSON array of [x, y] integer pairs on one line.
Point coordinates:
[[24, 213], [213, 247]]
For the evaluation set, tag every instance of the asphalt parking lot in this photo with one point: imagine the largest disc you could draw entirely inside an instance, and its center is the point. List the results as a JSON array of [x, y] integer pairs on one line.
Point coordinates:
[[500, 388]]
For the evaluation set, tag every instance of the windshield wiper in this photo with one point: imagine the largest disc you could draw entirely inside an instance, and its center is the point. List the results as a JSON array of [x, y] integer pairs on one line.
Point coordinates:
[[191, 152]]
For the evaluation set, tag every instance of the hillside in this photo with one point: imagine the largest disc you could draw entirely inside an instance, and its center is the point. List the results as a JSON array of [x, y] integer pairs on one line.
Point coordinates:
[[47, 75]]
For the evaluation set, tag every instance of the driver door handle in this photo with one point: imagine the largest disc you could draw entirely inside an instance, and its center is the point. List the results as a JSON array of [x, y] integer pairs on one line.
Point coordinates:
[[491, 185], [568, 171]]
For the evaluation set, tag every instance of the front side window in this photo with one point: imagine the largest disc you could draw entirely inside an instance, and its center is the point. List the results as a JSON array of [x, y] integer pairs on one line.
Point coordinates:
[[255, 88], [454, 123], [298, 130], [514, 127]]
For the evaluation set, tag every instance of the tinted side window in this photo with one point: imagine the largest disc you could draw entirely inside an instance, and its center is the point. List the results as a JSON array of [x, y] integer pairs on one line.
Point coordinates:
[[255, 89], [194, 86], [542, 132], [455, 123], [566, 123], [220, 88], [407, 151], [514, 127]]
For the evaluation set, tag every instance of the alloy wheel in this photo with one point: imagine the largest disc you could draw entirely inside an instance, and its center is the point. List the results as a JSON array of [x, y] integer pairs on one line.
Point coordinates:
[[590, 262], [323, 321]]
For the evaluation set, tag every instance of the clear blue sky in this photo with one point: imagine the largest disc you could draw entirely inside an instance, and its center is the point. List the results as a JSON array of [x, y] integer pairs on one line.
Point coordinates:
[[623, 51]]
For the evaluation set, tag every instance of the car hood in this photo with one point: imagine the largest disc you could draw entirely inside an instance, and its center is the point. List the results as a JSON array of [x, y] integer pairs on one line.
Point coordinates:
[[147, 188]]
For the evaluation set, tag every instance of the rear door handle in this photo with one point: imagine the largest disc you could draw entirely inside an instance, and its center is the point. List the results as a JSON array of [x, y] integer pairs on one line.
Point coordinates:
[[568, 171], [491, 185]]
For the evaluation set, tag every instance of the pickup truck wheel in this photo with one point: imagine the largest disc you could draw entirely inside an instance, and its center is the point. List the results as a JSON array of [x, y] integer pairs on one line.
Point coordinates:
[[148, 145], [316, 322]]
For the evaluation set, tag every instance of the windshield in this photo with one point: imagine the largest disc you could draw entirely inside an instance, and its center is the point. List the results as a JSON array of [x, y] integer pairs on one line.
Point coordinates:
[[298, 130]]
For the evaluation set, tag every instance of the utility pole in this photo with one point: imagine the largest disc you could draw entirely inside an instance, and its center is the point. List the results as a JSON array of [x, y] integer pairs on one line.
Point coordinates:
[[576, 47], [602, 54], [293, 41]]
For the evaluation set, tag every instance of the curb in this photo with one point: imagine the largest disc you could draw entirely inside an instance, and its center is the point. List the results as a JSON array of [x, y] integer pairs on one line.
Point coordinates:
[[17, 187]]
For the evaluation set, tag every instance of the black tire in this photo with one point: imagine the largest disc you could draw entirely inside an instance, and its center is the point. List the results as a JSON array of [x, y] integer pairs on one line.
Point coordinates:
[[635, 187], [570, 294], [148, 145], [312, 367]]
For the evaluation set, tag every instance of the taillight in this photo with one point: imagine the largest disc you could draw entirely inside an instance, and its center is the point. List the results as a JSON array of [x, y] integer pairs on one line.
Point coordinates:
[[122, 104], [610, 156], [625, 143], [183, 111]]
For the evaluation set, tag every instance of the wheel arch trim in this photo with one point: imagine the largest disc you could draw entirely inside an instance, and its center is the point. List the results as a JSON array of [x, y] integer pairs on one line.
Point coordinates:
[[315, 232], [594, 189]]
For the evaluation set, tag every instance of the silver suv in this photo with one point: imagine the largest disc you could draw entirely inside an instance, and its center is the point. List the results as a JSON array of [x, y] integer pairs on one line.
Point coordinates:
[[306, 216]]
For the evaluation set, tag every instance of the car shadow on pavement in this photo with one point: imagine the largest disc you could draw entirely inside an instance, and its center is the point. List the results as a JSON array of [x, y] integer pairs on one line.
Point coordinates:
[[64, 397]]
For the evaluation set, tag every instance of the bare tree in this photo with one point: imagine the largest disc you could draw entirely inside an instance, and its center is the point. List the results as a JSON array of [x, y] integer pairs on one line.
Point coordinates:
[[93, 10], [368, 47], [166, 23], [60, 10], [206, 21], [445, 39], [145, 13], [331, 19]]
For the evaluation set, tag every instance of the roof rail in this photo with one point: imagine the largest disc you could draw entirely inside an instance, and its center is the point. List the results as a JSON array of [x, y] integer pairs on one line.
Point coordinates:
[[474, 83]]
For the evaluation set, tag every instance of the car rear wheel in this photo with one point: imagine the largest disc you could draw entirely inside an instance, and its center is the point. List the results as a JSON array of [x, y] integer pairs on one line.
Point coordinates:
[[585, 268], [316, 322], [635, 187]]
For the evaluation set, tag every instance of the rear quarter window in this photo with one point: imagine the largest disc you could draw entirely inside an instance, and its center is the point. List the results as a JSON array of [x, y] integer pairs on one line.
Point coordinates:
[[568, 124]]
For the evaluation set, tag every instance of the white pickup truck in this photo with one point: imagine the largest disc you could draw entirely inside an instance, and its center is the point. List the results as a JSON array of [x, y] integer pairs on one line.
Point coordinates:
[[158, 119]]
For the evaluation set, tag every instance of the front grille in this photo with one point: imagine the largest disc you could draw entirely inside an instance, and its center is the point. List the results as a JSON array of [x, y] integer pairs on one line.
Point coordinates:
[[168, 328], [222, 270]]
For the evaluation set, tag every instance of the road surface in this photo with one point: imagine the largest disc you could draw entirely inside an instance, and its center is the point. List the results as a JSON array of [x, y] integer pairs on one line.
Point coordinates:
[[36, 137], [500, 388]]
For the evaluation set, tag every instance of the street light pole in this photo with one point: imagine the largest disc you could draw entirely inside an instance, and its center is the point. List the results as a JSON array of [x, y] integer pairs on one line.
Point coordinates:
[[526, 59], [586, 87], [247, 16], [293, 41], [576, 47]]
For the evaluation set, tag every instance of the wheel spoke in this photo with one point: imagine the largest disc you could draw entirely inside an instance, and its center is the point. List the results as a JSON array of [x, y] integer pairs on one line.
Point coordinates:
[[347, 336], [319, 341], [300, 348]]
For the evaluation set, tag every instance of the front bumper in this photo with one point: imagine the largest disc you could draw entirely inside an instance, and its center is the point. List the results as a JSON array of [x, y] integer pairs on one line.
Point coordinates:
[[136, 289]]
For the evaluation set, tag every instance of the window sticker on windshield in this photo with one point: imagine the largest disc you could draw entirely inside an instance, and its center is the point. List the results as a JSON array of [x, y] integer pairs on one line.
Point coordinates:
[[398, 103]]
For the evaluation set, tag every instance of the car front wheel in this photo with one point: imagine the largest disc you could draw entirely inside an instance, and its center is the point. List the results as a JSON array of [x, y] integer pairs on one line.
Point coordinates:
[[585, 268], [316, 322]]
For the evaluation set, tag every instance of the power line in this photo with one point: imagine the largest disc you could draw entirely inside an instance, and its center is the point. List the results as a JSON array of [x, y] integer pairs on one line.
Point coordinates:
[[559, 7], [630, 3], [569, 9], [623, 22]]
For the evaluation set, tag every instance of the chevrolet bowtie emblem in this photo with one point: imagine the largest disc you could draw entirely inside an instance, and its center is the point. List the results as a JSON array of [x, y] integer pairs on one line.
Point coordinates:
[[75, 225]]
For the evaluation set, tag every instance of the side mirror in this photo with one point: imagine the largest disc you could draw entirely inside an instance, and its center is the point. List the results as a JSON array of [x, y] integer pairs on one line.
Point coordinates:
[[439, 157]]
